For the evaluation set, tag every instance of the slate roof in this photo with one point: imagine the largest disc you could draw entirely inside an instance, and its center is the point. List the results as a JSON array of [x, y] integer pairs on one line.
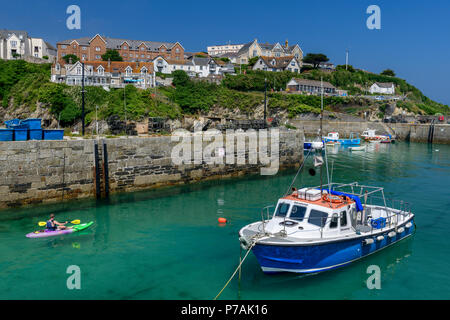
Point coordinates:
[[4, 33], [314, 83], [117, 66], [280, 62], [115, 43], [384, 84]]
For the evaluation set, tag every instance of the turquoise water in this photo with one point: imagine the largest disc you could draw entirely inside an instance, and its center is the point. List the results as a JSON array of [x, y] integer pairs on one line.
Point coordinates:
[[167, 244]]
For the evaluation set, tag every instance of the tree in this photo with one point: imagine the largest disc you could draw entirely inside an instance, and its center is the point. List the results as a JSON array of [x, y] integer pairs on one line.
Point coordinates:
[[388, 72], [252, 61], [315, 59], [112, 55], [343, 67], [70, 57], [180, 78]]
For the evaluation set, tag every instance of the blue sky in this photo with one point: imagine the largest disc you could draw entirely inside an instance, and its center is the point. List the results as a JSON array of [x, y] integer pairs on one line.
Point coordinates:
[[413, 40]]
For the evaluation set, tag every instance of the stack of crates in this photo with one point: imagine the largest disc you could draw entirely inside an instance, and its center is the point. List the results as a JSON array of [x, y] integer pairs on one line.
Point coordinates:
[[29, 129]]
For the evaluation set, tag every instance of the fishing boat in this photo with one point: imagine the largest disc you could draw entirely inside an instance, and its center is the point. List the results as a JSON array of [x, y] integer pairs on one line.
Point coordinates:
[[333, 137], [370, 135], [320, 228]]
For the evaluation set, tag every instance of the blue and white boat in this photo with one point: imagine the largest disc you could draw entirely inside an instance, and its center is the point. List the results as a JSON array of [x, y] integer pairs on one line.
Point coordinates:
[[312, 145], [313, 230], [333, 137]]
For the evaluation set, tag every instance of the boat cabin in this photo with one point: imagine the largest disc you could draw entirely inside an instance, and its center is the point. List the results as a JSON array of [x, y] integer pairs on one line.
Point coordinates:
[[309, 214], [333, 136]]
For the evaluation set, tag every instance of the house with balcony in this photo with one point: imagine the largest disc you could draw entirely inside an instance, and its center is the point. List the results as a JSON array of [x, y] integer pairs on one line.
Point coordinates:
[[17, 44], [110, 74]]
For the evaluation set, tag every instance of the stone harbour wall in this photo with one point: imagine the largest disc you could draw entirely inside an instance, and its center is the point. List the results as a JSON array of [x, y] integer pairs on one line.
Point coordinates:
[[34, 172], [402, 131]]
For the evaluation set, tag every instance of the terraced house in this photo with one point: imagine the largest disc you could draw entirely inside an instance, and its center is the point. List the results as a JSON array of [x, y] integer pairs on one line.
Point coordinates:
[[92, 49], [287, 63], [108, 74]]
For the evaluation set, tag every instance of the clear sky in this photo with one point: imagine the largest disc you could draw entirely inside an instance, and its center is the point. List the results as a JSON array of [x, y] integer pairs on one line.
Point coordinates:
[[414, 39]]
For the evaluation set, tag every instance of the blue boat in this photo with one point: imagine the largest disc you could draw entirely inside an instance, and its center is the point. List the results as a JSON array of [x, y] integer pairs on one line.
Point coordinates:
[[333, 137], [313, 230]]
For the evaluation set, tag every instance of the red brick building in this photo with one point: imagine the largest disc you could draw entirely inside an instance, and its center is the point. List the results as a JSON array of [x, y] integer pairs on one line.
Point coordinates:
[[92, 49]]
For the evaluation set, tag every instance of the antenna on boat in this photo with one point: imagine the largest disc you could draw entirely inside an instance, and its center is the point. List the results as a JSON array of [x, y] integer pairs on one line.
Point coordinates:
[[320, 135]]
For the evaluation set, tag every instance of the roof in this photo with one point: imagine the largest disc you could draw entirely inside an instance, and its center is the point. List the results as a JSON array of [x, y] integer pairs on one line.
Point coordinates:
[[313, 83], [5, 34], [115, 43], [280, 62], [321, 202], [384, 84], [49, 46]]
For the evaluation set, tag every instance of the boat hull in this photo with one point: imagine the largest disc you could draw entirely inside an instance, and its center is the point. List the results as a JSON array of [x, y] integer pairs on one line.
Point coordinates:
[[323, 257], [344, 141]]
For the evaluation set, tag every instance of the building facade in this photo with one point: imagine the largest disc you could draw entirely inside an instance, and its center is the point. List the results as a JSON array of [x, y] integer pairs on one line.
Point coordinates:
[[110, 74], [310, 86], [256, 49], [383, 88], [92, 49], [276, 64], [200, 67], [223, 49], [17, 44]]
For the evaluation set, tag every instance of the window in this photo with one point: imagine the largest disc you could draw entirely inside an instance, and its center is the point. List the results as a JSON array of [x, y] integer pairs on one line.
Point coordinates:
[[255, 53], [97, 48], [100, 70], [84, 48], [343, 218], [74, 46], [13, 44], [125, 47], [142, 48], [97, 57], [177, 50], [78, 70], [125, 54], [317, 218], [298, 213], [142, 55], [282, 210], [83, 57], [334, 221], [63, 46]]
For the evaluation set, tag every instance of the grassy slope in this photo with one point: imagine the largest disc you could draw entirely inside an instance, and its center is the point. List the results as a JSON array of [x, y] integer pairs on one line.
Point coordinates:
[[26, 84]]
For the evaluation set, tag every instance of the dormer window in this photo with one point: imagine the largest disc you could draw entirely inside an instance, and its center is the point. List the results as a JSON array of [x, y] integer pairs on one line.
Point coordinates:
[[125, 47], [128, 70], [101, 70], [78, 70], [144, 70]]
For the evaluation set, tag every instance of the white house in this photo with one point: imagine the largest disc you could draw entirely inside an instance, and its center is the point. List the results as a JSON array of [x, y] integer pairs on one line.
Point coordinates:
[[18, 44], [287, 63], [383, 88]]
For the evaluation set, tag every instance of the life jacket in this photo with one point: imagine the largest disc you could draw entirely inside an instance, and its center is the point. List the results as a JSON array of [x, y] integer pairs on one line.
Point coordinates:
[[50, 226]]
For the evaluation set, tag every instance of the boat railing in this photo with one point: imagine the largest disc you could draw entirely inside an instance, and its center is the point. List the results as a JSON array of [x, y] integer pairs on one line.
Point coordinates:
[[266, 211]]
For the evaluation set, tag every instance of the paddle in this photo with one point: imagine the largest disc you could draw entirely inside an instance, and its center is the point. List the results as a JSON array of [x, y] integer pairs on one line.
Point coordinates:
[[42, 223]]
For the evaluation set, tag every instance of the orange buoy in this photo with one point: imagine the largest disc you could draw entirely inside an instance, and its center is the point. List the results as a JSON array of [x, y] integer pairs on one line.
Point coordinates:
[[222, 220]]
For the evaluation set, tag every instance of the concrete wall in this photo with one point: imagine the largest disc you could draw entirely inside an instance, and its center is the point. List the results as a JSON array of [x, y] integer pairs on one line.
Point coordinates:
[[403, 131], [52, 171]]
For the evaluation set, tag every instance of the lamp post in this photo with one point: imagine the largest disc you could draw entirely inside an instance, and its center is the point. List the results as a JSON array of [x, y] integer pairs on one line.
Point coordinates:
[[82, 99], [265, 98]]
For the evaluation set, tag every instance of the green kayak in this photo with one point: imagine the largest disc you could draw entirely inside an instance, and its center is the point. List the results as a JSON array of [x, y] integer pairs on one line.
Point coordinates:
[[46, 233]]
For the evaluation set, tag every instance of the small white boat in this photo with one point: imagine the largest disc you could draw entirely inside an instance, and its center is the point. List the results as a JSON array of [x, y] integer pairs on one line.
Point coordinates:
[[362, 148]]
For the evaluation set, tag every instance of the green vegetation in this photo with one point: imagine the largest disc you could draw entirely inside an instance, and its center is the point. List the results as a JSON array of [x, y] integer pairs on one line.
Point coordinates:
[[112, 55], [70, 58], [315, 59], [388, 72], [27, 85]]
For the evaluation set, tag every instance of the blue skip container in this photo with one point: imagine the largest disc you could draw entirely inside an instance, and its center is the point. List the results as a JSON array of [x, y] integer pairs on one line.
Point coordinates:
[[20, 134], [32, 123], [35, 134], [6, 134], [53, 134], [379, 223]]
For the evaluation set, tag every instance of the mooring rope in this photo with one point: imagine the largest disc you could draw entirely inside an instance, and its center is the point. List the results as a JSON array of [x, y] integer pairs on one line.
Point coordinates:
[[237, 269]]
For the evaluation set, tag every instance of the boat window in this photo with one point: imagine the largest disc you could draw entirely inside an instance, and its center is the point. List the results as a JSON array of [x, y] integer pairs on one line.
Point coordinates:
[[334, 221], [343, 218], [317, 218], [282, 210], [298, 213]]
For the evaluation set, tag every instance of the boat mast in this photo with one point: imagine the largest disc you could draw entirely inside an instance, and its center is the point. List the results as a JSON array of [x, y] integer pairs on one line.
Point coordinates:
[[320, 131]]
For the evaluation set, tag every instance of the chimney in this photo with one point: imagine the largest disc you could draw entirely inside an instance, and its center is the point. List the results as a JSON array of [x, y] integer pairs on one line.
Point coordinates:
[[109, 64], [287, 43], [70, 60]]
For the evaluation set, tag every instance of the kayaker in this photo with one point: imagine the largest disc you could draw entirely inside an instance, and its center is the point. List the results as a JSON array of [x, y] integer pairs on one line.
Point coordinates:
[[53, 225]]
